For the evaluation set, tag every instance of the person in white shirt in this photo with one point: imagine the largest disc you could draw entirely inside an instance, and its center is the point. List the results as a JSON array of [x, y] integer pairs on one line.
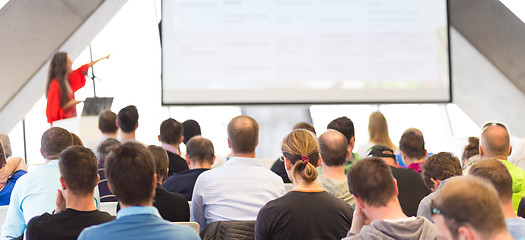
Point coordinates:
[[238, 189]]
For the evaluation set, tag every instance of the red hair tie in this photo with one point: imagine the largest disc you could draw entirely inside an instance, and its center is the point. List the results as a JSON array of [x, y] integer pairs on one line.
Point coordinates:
[[305, 159]]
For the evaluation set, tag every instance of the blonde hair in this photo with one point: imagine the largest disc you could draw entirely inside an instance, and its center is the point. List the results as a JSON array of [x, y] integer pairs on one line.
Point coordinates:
[[378, 130], [298, 147]]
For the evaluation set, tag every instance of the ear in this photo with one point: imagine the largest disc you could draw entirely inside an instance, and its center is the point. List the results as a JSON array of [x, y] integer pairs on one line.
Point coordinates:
[[465, 233], [351, 143], [63, 183], [159, 138], [287, 164], [98, 178], [436, 184], [42, 153], [181, 139], [395, 184], [116, 123], [426, 154], [481, 153], [154, 182], [348, 153], [320, 160], [257, 143], [137, 126], [358, 201], [229, 145], [187, 159], [213, 160], [510, 150]]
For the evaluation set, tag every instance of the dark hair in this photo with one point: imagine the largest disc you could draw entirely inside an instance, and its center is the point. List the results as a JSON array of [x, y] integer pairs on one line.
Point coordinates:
[[371, 180], [200, 150], [76, 140], [413, 144], [471, 149], [495, 172], [78, 167], [305, 126], [170, 131], [59, 70], [243, 134], [2, 156], [470, 201], [298, 146], [128, 118], [160, 157], [130, 170], [7, 145], [333, 146], [107, 122], [344, 125], [54, 141], [105, 147], [190, 128], [440, 166]]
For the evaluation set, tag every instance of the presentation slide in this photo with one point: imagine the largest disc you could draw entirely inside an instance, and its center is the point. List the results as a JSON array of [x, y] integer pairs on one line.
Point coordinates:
[[304, 51]]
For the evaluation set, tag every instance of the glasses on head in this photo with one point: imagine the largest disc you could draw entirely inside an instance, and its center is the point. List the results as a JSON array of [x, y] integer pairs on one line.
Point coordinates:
[[436, 210], [488, 124], [281, 158]]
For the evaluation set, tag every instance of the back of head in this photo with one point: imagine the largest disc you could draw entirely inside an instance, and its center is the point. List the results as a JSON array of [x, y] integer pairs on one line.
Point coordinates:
[[76, 140], [371, 180], [190, 128], [333, 146], [107, 122], [130, 171], [412, 144], [305, 126], [160, 157], [7, 145], [78, 167], [170, 131], [54, 141], [378, 130], [440, 166], [105, 147], [128, 119], [301, 149], [200, 150], [471, 149], [383, 152], [344, 125], [243, 134], [495, 140], [470, 201], [495, 172]]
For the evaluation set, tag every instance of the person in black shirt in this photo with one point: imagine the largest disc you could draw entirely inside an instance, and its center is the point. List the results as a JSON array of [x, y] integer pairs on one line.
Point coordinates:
[[76, 208], [171, 138], [200, 156], [306, 212]]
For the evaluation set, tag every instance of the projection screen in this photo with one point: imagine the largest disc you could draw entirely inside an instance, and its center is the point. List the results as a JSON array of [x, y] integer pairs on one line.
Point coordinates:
[[304, 51]]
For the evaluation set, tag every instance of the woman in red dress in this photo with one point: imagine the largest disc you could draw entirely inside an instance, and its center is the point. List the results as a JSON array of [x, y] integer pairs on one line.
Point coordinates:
[[62, 83]]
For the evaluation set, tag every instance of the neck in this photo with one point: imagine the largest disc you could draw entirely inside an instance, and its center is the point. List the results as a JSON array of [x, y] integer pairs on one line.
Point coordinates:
[[391, 211], [508, 210], [300, 185], [147, 204], [127, 136], [176, 146], [110, 135], [334, 172], [244, 155], [501, 157], [197, 165], [80, 203]]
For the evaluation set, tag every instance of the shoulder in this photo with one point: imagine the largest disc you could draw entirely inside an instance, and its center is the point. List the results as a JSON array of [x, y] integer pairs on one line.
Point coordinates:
[[36, 222]]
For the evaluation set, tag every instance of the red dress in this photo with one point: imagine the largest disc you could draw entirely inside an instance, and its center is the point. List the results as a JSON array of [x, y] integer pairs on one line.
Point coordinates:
[[54, 111]]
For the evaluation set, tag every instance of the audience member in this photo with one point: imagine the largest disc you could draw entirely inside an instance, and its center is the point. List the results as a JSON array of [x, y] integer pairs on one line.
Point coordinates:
[[375, 189], [470, 150], [190, 128], [171, 138], [345, 126], [11, 169], [411, 187], [378, 132], [521, 208], [102, 151], [468, 208], [495, 172], [278, 166], [75, 207], [128, 122], [172, 206], [130, 170], [334, 151], [495, 143], [308, 212], [7, 145], [412, 149], [238, 189], [107, 124], [436, 170], [36, 191], [200, 156]]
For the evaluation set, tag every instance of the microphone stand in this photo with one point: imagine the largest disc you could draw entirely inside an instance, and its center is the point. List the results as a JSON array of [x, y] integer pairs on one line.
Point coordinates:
[[93, 77]]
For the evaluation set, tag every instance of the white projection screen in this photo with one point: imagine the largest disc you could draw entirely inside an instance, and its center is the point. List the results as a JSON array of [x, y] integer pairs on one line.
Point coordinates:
[[221, 52]]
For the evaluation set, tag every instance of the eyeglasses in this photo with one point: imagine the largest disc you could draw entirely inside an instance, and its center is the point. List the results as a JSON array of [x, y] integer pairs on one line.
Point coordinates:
[[488, 124], [436, 210]]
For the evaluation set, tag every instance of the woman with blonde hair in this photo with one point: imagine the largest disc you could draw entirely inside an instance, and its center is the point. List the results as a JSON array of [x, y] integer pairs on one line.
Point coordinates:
[[378, 132], [308, 211]]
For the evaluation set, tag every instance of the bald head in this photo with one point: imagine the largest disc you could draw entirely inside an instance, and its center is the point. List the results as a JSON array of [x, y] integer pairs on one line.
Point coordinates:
[[333, 147], [495, 142], [243, 134]]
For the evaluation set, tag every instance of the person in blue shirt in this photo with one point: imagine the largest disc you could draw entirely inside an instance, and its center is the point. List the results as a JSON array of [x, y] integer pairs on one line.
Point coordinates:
[[10, 170], [130, 171]]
